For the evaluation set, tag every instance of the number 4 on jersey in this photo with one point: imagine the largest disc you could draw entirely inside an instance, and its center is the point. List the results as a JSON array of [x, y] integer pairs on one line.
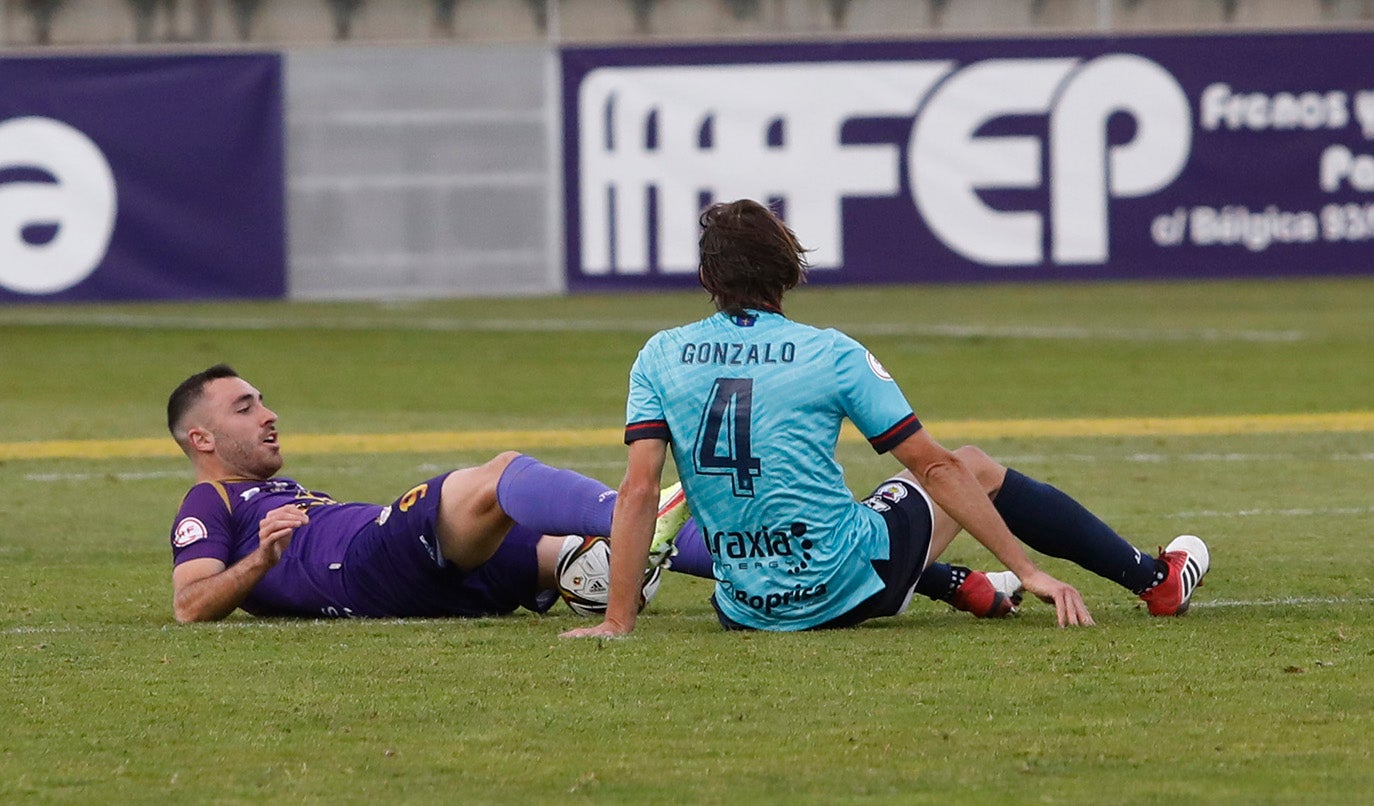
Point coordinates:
[[723, 447]]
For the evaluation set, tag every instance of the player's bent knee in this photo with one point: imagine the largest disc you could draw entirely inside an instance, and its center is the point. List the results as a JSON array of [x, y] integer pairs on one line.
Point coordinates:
[[471, 492], [482, 480], [987, 470], [471, 523], [906, 474], [501, 461]]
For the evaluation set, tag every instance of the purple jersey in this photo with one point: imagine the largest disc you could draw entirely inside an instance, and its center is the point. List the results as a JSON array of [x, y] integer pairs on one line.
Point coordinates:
[[220, 520], [355, 559]]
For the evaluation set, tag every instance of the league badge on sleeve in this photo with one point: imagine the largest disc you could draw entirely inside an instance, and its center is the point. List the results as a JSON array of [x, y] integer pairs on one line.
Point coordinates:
[[877, 367], [188, 531]]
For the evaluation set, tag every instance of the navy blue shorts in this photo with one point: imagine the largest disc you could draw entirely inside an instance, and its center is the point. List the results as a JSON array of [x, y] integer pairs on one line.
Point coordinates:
[[393, 567], [910, 521]]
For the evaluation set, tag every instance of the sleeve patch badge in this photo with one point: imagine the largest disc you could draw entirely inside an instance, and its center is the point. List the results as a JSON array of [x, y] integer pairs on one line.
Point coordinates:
[[188, 531], [878, 368]]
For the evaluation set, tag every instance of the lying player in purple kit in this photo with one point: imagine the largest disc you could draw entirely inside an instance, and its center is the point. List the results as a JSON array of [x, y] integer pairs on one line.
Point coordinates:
[[473, 542]]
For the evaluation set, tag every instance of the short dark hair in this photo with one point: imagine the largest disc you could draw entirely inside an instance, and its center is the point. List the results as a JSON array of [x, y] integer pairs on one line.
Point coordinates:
[[749, 257], [190, 390]]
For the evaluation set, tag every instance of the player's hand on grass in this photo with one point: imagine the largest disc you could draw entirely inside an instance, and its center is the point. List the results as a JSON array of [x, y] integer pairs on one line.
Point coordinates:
[[276, 529], [1069, 608], [606, 629]]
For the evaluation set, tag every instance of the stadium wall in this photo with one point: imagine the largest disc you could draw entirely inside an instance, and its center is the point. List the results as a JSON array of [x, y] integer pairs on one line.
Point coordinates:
[[421, 172]]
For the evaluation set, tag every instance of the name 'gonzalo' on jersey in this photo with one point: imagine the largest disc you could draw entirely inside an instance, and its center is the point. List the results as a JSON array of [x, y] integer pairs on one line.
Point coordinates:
[[739, 353]]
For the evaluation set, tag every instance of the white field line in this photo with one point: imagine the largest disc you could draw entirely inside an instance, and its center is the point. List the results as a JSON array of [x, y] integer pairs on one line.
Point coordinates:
[[135, 321], [47, 477], [1294, 512], [236, 625], [184, 472], [28, 317], [1286, 601], [314, 624], [1072, 333], [1157, 458], [43, 477]]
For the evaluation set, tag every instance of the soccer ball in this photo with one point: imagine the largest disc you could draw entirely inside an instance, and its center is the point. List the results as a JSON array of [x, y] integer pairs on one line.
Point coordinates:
[[584, 577]]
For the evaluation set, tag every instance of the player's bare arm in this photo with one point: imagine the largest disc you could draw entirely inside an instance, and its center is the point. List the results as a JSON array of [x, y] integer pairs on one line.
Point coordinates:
[[632, 530], [953, 486], [205, 589]]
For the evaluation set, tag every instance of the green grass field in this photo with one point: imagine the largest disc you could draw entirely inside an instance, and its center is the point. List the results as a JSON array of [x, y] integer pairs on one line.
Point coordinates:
[[1263, 693]]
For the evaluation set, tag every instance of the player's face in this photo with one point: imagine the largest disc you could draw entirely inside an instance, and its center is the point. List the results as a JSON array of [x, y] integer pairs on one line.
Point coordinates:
[[243, 429]]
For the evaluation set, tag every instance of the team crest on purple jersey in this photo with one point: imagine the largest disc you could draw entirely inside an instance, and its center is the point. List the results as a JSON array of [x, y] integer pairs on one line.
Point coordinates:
[[188, 531]]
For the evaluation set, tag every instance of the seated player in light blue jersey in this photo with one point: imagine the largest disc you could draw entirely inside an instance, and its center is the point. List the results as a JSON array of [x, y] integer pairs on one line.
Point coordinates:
[[751, 404], [478, 541]]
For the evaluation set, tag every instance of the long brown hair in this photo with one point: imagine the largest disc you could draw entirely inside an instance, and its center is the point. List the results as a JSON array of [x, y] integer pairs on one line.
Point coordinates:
[[749, 257]]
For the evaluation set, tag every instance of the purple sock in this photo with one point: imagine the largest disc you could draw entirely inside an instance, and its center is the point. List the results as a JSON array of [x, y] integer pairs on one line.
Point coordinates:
[[692, 558], [554, 501]]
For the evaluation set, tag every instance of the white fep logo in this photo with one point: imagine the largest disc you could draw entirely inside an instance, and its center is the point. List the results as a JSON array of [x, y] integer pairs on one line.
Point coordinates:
[[658, 143], [79, 204], [728, 132], [950, 163]]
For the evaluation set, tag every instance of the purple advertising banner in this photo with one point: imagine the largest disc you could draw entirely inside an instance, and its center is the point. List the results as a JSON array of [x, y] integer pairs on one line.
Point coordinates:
[[980, 160], [141, 177]]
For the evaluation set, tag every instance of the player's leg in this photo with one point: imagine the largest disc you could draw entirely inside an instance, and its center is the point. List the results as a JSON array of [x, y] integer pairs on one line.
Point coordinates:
[[471, 522], [984, 594], [689, 553], [679, 543], [395, 567], [547, 553], [582, 565], [513, 577], [479, 505], [1051, 522], [554, 500]]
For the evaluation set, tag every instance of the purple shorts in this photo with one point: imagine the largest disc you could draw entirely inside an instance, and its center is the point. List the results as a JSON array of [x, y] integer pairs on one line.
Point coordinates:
[[393, 567]]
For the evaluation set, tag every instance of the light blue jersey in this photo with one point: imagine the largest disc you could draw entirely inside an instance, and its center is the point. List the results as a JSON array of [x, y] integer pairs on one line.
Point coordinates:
[[752, 407]]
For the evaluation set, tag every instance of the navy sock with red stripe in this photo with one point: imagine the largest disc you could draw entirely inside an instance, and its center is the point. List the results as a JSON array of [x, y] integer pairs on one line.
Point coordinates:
[[940, 580]]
